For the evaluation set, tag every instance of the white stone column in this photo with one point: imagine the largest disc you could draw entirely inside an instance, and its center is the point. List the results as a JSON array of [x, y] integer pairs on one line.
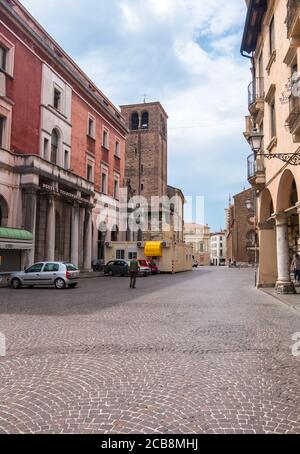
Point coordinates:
[[284, 283], [87, 241], [75, 235], [50, 231]]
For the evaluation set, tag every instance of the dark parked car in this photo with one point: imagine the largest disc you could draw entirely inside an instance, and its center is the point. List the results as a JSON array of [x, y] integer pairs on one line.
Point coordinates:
[[116, 268]]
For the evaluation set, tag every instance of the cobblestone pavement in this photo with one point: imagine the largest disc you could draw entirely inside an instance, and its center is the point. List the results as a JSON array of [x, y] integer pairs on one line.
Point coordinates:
[[200, 352]]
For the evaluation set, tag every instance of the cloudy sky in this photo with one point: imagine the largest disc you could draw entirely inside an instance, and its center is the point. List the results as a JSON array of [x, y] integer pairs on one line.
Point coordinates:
[[184, 53]]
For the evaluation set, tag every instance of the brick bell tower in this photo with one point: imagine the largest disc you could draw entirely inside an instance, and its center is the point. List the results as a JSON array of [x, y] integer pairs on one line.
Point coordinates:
[[146, 149]]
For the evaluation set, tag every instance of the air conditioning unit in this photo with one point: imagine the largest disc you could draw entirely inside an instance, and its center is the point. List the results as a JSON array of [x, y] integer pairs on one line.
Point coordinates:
[[108, 245], [166, 244], [140, 244]]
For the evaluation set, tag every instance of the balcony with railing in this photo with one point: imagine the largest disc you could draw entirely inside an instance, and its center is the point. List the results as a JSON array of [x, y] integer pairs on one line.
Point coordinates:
[[256, 171], [256, 95], [293, 120], [293, 19]]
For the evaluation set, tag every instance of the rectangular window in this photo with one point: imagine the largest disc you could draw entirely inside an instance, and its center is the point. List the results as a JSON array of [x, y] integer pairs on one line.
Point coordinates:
[[273, 119], [66, 160], [105, 139], [272, 36], [57, 99], [142, 187], [142, 169], [117, 149], [3, 58], [46, 149], [89, 172], [2, 131], [116, 189], [120, 254], [91, 127], [104, 183], [132, 255]]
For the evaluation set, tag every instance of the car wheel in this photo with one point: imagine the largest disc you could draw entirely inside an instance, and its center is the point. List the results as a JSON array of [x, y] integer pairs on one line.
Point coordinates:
[[72, 285], [60, 284], [16, 283], [110, 273]]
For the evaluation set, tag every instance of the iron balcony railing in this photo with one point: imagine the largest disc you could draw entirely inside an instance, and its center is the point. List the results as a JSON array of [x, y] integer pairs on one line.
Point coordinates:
[[256, 90], [292, 10], [294, 116], [255, 166]]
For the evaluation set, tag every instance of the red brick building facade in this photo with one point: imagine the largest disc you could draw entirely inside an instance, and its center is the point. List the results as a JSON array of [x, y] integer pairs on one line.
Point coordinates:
[[62, 148], [241, 231]]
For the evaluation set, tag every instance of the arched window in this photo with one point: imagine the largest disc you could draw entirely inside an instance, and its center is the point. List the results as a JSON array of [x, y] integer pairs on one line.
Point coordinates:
[[3, 212], [145, 120], [54, 146], [135, 121]]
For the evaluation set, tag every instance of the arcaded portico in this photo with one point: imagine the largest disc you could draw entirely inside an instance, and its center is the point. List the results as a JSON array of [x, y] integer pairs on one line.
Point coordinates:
[[271, 41]]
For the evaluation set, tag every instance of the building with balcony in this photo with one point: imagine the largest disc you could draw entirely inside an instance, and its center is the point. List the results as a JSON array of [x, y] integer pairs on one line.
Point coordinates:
[[198, 236], [271, 41], [62, 150]]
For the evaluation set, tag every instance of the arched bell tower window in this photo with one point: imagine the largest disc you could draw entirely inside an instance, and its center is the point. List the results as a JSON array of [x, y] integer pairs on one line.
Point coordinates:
[[135, 121], [54, 146], [145, 120]]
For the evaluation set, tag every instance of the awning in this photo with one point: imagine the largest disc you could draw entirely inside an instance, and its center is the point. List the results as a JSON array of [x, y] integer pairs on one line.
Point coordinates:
[[16, 239], [153, 249]]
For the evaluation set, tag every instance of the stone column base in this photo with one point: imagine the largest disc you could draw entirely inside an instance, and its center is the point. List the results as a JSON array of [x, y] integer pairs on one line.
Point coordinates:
[[285, 288]]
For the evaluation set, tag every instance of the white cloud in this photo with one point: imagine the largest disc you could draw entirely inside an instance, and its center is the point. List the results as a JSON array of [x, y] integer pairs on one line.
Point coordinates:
[[184, 53]]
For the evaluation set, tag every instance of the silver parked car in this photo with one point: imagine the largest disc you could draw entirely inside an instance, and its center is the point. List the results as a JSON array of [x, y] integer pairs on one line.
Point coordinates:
[[59, 274]]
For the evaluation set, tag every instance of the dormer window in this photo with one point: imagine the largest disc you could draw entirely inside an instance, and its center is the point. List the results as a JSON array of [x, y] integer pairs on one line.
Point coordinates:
[[135, 121], [145, 120]]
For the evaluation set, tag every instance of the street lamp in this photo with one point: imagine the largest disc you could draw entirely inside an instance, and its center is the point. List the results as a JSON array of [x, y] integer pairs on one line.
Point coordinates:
[[255, 140]]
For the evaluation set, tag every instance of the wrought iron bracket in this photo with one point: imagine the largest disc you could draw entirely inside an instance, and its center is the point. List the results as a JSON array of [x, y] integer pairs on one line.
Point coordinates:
[[289, 158]]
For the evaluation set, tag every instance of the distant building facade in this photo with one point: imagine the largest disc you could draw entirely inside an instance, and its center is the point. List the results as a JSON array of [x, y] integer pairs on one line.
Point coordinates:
[[218, 248], [198, 236], [241, 232], [62, 149]]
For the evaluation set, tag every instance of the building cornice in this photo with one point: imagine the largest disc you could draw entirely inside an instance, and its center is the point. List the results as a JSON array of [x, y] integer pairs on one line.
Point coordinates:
[[253, 25], [65, 63]]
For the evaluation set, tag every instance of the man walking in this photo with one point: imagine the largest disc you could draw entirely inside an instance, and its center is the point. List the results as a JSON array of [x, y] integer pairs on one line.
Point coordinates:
[[133, 272]]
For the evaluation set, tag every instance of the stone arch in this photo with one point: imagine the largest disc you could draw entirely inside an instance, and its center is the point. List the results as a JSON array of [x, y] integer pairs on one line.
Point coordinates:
[[287, 194], [3, 212], [267, 206]]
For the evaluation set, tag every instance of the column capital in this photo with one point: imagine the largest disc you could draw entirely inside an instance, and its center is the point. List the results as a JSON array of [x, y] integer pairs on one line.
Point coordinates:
[[281, 218], [31, 189], [266, 226]]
